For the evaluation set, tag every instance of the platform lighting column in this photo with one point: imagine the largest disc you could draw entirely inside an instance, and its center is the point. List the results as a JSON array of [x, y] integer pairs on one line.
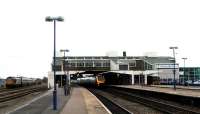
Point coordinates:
[[139, 79], [174, 71], [65, 87], [54, 19], [184, 69]]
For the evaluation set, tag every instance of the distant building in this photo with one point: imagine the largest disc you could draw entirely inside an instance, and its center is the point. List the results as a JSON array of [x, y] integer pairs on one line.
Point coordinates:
[[191, 73], [2, 82], [165, 67]]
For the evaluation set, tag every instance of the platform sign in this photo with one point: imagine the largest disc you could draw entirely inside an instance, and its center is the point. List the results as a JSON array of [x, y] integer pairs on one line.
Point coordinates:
[[167, 66]]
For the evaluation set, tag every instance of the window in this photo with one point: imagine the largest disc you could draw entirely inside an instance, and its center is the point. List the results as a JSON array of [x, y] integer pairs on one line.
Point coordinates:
[[72, 64], [106, 64], [88, 63], [79, 57], [132, 64], [88, 57], [129, 57], [105, 57], [80, 64], [97, 64], [121, 58], [123, 67], [71, 57], [96, 57]]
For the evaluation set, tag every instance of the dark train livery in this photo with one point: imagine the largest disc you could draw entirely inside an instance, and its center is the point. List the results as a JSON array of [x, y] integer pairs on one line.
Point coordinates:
[[97, 80], [20, 82]]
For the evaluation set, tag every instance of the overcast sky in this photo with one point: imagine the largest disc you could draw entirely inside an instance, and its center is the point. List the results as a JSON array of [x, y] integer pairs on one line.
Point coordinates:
[[94, 27]]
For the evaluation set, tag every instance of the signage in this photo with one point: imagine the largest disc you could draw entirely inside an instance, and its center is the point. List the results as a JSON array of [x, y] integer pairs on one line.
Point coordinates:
[[167, 66]]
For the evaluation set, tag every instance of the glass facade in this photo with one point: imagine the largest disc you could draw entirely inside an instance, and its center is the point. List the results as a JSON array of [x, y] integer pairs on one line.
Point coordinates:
[[101, 63], [123, 67], [191, 73], [148, 66]]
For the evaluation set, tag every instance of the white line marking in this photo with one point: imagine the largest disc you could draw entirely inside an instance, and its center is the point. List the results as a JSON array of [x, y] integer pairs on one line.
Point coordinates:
[[101, 103], [22, 106]]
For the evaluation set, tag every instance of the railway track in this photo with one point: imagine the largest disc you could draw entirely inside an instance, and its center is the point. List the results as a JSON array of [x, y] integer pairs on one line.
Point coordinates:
[[112, 106], [157, 104], [13, 94], [13, 89], [3, 89]]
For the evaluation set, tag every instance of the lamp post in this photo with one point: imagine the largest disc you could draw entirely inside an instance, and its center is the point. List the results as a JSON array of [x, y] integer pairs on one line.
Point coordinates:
[[173, 48], [65, 87], [54, 19], [184, 69]]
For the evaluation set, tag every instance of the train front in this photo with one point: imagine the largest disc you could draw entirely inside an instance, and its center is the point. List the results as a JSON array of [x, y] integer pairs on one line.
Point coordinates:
[[10, 82]]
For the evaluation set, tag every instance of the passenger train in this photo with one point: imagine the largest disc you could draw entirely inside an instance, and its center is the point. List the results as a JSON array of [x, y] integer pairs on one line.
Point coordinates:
[[97, 80], [20, 81]]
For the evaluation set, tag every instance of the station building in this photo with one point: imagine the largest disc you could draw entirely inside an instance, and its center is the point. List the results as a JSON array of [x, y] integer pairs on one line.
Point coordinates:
[[165, 69], [117, 69]]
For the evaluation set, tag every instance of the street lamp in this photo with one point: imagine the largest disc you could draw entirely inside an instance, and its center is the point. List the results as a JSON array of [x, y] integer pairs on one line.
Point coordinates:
[[184, 69], [54, 19], [65, 87], [173, 48]]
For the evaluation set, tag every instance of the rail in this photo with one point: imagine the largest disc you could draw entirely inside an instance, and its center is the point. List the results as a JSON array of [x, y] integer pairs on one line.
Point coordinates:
[[12, 94], [112, 106], [157, 104]]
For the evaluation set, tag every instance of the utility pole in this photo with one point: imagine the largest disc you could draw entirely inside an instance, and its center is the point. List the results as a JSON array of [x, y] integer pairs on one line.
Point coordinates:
[[54, 19], [64, 69], [174, 71], [184, 70]]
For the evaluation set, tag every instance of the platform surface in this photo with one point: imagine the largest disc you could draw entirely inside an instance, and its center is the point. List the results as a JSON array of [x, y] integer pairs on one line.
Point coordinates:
[[184, 91], [80, 101], [43, 104], [83, 102]]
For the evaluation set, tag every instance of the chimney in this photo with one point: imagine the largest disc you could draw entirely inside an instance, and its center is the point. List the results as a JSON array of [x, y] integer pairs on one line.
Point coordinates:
[[124, 53]]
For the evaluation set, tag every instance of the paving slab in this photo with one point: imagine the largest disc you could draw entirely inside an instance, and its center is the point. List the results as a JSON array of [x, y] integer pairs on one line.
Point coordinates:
[[43, 105], [83, 102], [80, 101]]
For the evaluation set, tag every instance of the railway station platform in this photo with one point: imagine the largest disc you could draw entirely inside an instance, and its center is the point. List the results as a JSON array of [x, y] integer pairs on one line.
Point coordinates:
[[180, 90], [83, 102], [80, 101]]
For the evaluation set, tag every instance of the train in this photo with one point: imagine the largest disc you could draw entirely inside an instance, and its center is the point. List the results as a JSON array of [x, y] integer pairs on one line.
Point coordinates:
[[12, 82], [97, 80]]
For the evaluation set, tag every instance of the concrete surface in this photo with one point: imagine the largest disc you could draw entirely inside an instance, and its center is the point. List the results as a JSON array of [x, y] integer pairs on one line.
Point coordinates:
[[165, 89], [43, 105], [83, 102], [80, 101]]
